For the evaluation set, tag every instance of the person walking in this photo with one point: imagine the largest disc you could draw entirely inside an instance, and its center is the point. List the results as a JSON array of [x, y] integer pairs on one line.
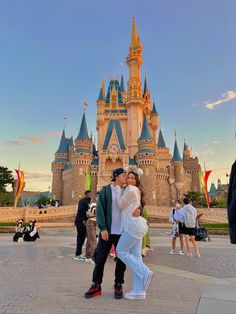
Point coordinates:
[[189, 216], [80, 223], [175, 219], [109, 221], [129, 248], [231, 204]]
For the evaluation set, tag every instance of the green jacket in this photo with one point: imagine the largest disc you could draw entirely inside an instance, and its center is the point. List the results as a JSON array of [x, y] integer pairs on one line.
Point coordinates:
[[103, 210]]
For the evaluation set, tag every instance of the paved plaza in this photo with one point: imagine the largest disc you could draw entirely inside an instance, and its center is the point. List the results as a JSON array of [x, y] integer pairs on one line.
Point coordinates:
[[43, 277]]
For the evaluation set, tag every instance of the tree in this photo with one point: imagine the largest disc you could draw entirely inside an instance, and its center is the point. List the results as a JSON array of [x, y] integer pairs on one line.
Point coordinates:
[[6, 178], [6, 199]]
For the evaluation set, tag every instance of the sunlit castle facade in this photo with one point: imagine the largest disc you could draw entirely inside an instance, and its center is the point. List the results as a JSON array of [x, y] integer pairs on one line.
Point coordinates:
[[127, 127]]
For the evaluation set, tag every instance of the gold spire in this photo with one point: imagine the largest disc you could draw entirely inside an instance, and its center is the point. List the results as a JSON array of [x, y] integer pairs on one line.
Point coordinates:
[[133, 43]]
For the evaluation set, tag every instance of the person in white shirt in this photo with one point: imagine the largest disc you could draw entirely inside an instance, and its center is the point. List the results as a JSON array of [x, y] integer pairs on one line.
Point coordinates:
[[189, 216], [129, 247], [176, 219]]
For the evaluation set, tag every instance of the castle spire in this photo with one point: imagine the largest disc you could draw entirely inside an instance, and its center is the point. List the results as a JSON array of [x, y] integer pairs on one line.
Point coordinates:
[[122, 85], [83, 132], [145, 133], [62, 149], [176, 155], [133, 43], [161, 143], [145, 88], [154, 109]]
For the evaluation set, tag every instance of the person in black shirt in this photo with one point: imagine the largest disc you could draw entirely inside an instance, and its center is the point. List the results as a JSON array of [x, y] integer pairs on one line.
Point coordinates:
[[80, 223], [231, 204]]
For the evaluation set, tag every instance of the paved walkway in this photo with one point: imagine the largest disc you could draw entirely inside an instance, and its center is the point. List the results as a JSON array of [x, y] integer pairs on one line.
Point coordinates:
[[42, 277]]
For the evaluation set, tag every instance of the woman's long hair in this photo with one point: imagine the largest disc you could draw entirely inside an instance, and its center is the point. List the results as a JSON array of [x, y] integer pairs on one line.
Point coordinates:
[[138, 184]]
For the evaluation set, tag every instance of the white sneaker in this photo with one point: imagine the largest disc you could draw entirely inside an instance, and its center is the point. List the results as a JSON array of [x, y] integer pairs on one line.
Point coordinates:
[[79, 258], [132, 295], [181, 252], [147, 280], [172, 252], [89, 260]]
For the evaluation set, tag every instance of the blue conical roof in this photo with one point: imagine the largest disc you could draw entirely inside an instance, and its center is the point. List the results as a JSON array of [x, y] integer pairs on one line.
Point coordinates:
[[212, 191], [83, 132], [145, 133], [154, 109], [62, 149], [122, 85], [219, 186], [176, 155], [161, 143], [69, 142], [145, 86], [101, 97]]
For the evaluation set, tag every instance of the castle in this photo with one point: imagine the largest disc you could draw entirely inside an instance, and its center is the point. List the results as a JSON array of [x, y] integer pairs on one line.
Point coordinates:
[[127, 125]]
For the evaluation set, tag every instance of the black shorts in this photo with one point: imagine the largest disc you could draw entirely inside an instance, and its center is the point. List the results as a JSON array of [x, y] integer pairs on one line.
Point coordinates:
[[182, 228], [191, 231]]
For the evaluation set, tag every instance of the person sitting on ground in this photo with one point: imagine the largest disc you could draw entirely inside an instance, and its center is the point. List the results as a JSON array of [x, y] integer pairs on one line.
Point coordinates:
[[31, 233], [19, 230]]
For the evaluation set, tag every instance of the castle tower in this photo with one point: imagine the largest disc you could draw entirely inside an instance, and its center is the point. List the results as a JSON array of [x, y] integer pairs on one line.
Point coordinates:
[[135, 103], [61, 160], [178, 170], [122, 88], [146, 97], [146, 160], [154, 121], [81, 160]]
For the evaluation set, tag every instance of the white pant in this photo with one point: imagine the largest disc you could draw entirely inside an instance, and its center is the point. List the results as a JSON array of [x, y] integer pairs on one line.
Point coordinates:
[[129, 250]]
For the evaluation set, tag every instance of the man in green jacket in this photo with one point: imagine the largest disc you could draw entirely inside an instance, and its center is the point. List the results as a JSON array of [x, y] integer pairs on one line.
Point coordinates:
[[109, 221]]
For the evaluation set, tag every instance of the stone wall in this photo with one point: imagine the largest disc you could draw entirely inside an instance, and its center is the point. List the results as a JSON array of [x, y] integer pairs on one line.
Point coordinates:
[[66, 214]]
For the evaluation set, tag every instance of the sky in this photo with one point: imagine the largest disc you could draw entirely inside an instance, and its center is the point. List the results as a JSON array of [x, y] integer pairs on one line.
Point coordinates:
[[54, 54]]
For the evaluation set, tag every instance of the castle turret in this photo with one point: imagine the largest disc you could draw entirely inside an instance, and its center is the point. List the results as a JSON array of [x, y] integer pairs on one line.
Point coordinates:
[[59, 163], [146, 97], [135, 103], [154, 121], [122, 88], [163, 153], [146, 160], [186, 152], [81, 160], [179, 170], [101, 102]]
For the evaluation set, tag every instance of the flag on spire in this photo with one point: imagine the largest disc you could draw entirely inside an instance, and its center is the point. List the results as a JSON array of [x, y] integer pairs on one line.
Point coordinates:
[[85, 104]]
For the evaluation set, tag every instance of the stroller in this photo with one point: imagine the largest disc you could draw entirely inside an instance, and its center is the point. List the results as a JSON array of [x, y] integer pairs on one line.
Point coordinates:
[[201, 233]]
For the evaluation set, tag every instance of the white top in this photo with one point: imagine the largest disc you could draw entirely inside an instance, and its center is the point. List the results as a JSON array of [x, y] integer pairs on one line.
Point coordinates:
[[189, 215], [177, 215], [128, 202], [116, 222]]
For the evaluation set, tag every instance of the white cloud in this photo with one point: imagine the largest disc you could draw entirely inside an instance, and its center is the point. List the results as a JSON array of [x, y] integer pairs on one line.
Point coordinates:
[[208, 152], [37, 176], [216, 142], [227, 96]]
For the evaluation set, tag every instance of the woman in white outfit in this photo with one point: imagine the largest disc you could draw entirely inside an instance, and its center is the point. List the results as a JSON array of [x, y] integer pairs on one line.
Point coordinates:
[[129, 247]]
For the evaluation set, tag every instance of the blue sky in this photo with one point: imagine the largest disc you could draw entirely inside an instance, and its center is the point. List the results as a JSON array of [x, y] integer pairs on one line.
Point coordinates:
[[54, 53]]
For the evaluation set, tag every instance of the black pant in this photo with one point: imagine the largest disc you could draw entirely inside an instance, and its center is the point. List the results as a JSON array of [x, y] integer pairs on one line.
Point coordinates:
[[81, 234], [100, 257]]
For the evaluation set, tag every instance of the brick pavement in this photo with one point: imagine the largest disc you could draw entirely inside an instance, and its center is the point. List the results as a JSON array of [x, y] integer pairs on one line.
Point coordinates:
[[42, 277]]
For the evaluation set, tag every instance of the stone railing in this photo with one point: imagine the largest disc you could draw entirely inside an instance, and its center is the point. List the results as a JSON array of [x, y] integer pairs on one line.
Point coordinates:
[[9, 214], [66, 214], [212, 215]]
